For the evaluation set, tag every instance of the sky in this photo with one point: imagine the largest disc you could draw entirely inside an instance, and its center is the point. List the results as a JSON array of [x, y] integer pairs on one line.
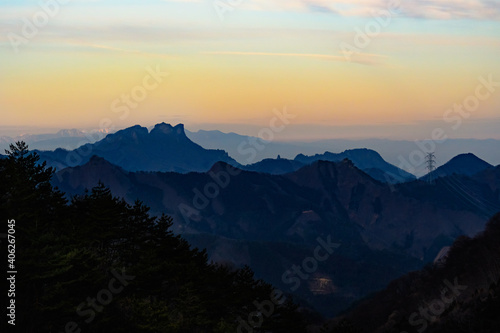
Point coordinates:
[[350, 69]]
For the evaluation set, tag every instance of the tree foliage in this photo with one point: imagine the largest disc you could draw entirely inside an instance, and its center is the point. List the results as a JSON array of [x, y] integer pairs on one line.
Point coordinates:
[[98, 264]]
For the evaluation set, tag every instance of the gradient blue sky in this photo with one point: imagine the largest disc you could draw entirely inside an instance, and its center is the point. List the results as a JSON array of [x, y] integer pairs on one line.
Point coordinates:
[[230, 74]]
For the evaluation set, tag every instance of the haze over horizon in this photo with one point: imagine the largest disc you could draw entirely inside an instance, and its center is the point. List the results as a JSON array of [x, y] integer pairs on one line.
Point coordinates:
[[229, 67], [406, 154]]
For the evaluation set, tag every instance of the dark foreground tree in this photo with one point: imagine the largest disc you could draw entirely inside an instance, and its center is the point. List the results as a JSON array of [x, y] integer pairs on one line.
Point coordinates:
[[98, 264]]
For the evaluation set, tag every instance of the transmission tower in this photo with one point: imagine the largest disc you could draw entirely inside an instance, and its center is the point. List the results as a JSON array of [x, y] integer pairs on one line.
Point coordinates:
[[430, 159]]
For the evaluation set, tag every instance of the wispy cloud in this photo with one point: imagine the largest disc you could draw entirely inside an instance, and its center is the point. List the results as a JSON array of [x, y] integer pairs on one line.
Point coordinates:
[[452, 9], [428, 9], [361, 58], [121, 50]]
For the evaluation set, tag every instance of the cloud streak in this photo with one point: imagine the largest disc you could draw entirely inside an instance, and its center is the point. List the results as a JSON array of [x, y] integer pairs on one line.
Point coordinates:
[[361, 58], [424, 9], [122, 50]]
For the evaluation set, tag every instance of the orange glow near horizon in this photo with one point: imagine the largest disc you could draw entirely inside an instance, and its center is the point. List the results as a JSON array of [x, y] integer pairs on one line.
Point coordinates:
[[235, 74]]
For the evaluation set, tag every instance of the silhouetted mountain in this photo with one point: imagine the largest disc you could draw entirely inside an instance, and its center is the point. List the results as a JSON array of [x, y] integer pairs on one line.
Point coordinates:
[[236, 146], [215, 138], [272, 166], [282, 166], [391, 150], [165, 148], [463, 164], [273, 221], [242, 149], [66, 138], [459, 294], [367, 160]]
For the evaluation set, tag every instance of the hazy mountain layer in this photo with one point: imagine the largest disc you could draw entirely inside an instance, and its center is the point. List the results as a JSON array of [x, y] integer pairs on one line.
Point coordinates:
[[463, 164], [365, 159], [164, 148]]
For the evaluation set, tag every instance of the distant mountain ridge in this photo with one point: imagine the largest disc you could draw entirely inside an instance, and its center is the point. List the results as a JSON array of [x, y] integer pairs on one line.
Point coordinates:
[[65, 138], [391, 150], [164, 148], [167, 148], [463, 164], [365, 159], [278, 166], [139, 149]]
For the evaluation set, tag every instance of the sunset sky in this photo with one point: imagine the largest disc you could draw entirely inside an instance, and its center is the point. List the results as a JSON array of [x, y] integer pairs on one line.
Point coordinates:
[[230, 65]]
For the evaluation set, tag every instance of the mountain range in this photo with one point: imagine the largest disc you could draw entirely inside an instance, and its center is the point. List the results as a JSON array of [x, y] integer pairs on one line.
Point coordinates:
[[270, 214], [272, 222], [396, 152], [167, 148], [365, 159], [164, 148]]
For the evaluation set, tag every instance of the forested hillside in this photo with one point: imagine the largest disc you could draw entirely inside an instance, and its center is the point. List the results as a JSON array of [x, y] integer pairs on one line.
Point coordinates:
[[98, 264], [460, 293]]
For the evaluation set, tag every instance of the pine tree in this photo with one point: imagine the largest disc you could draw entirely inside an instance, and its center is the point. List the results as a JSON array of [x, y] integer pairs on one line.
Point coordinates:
[[69, 252]]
